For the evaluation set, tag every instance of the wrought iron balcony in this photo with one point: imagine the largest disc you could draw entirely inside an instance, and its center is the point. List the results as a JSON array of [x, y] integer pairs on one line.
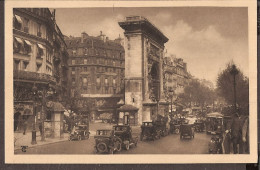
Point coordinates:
[[32, 76]]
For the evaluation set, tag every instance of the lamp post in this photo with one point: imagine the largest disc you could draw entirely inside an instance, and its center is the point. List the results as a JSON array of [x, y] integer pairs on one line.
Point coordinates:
[[34, 90], [171, 96], [234, 72]]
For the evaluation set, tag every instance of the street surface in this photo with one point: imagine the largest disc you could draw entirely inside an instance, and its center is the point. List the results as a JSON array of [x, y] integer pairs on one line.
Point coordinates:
[[170, 144]]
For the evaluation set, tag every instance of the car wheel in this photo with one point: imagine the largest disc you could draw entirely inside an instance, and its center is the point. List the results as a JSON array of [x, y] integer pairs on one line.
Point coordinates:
[[79, 137], [102, 147]]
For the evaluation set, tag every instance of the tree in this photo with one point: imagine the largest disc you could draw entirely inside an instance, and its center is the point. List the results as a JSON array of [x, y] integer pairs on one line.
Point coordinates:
[[225, 87], [198, 94]]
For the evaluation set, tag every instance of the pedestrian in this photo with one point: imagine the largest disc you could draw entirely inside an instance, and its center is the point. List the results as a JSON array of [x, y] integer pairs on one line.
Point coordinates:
[[236, 132], [245, 135], [24, 127]]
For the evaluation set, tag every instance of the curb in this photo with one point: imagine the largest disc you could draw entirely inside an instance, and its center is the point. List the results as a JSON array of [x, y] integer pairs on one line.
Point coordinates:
[[33, 146]]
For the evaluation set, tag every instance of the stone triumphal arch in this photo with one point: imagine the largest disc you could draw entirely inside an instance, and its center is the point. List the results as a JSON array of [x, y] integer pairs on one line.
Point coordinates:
[[144, 46]]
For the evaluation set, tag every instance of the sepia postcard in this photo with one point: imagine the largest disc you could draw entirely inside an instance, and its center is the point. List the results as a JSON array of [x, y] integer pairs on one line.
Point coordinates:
[[130, 82]]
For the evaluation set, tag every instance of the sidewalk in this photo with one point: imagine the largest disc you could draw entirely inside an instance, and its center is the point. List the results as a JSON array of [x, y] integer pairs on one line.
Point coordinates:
[[25, 140]]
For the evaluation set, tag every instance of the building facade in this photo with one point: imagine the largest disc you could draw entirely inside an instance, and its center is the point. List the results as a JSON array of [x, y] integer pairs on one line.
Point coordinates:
[[96, 74], [39, 60], [176, 74]]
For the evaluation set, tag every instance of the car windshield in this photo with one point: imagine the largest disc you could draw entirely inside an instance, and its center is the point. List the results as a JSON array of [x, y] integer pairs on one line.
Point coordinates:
[[104, 132], [120, 128]]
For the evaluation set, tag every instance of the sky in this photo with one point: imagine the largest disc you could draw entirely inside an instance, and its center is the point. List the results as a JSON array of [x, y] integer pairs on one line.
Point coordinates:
[[207, 38]]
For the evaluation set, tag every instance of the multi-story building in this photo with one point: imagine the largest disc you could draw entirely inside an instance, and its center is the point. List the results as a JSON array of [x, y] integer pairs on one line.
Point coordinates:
[[39, 60], [176, 75], [96, 73]]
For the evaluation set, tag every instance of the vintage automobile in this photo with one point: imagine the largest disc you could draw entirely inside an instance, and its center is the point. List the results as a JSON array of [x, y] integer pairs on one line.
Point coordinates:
[[160, 125], [106, 141], [199, 126], [175, 126], [186, 130], [79, 132], [149, 131], [124, 132], [214, 123], [215, 144]]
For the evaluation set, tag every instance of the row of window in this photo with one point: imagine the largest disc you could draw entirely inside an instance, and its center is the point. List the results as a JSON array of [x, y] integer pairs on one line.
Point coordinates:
[[97, 52], [25, 47], [97, 61], [97, 90], [23, 65], [84, 81], [98, 69], [28, 26]]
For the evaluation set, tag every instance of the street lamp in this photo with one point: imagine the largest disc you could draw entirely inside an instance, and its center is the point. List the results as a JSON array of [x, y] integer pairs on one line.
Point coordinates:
[[34, 90], [171, 92], [234, 72]]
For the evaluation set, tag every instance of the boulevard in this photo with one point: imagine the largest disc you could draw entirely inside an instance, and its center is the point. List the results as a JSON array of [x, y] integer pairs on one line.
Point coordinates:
[[171, 144]]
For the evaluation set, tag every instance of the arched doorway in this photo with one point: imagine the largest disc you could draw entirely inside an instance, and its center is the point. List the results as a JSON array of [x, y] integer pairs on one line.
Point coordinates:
[[155, 82]]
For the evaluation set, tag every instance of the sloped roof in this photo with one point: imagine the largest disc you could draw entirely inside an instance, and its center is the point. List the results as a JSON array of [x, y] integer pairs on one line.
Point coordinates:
[[128, 107], [96, 42], [55, 106]]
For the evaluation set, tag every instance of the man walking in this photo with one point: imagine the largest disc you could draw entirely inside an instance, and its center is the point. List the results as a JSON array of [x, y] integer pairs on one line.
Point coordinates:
[[236, 133]]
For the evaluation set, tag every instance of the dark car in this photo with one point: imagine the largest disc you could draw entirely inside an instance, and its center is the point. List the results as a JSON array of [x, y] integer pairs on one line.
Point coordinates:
[[149, 131], [186, 130], [124, 132], [175, 126], [106, 141], [160, 125], [199, 126], [79, 132]]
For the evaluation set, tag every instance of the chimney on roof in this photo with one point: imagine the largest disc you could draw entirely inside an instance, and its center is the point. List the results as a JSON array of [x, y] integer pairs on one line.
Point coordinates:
[[83, 36]]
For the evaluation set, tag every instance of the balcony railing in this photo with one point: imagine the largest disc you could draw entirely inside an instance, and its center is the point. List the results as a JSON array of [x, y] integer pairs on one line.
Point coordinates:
[[32, 76]]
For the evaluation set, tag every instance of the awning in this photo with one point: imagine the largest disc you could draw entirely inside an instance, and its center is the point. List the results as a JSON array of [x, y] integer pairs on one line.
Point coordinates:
[[19, 19], [28, 42], [19, 40], [40, 46]]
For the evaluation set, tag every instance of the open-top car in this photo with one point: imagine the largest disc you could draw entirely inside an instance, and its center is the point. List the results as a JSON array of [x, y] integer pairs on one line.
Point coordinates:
[[106, 141], [186, 130], [79, 132], [124, 132]]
